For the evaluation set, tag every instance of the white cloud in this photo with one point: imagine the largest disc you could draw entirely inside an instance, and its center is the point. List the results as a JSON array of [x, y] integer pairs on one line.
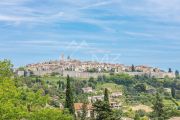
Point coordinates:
[[12, 2], [11, 18], [142, 34], [150, 9], [98, 4]]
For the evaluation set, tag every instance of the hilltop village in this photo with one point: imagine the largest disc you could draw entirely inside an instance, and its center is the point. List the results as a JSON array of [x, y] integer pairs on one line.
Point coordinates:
[[87, 69], [118, 91]]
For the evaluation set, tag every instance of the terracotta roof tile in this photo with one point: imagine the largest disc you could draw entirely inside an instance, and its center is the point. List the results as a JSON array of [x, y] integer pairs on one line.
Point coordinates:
[[78, 106]]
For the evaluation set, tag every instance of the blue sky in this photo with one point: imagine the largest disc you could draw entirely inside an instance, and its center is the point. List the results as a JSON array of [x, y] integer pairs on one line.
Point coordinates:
[[120, 31]]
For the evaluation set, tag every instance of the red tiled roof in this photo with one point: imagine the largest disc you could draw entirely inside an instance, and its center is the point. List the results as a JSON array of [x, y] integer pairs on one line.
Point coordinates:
[[78, 106]]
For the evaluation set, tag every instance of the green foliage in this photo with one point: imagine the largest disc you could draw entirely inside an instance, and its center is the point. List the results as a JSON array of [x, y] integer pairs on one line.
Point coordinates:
[[140, 87], [54, 74], [10, 105], [133, 68], [61, 85], [121, 79], [28, 97], [18, 103], [130, 113], [177, 95], [92, 70], [69, 96], [103, 110], [116, 115], [5, 69], [21, 68], [158, 107], [36, 100], [106, 95], [137, 117], [173, 92], [49, 114], [177, 73]]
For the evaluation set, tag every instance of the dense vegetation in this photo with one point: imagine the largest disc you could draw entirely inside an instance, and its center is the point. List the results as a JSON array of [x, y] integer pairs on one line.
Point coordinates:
[[39, 97], [17, 102]]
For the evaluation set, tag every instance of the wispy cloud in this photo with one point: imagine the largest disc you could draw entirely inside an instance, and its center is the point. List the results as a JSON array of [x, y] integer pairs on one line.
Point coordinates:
[[12, 2], [98, 4], [9, 18], [134, 29], [138, 34]]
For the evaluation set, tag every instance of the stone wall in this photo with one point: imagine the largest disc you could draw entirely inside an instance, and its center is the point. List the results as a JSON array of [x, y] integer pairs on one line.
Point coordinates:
[[95, 75], [70, 73]]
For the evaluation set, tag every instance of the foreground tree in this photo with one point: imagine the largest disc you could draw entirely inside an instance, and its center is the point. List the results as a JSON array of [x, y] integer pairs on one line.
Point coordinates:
[[5, 69], [104, 112], [102, 109], [49, 114], [22, 104], [158, 107], [69, 104]]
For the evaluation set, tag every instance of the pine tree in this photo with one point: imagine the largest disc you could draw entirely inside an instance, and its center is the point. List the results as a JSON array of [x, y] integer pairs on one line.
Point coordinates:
[[106, 95], [158, 107], [102, 110], [69, 97]]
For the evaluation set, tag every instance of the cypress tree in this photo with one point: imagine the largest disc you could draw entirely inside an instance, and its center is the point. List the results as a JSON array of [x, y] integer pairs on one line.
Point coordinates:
[[106, 95], [69, 96], [170, 71], [173, 91], [132, 68]]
